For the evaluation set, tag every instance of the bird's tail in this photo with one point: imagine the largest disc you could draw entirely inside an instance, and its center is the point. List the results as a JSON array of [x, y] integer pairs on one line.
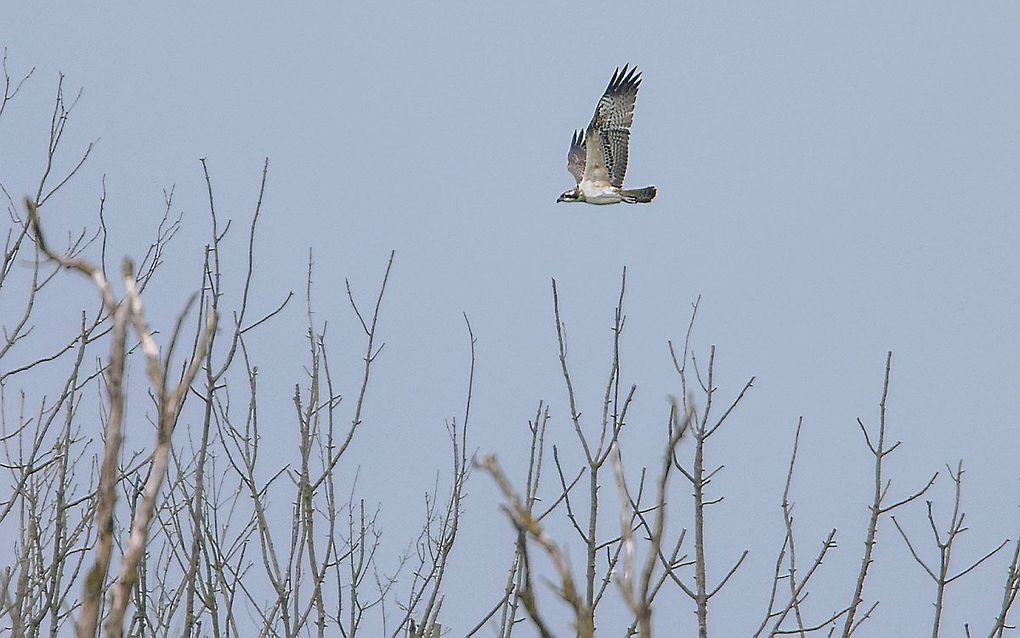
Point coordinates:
[[639, 195]]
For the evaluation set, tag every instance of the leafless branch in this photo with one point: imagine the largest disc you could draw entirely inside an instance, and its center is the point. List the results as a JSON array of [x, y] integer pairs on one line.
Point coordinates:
[[941, 576]]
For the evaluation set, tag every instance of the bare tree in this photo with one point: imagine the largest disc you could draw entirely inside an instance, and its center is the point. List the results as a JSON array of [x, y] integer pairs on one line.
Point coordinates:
[[638, 587], [944, 543], [705, 425], [596, 454], [788, 553], [879, 450], [126, 312]]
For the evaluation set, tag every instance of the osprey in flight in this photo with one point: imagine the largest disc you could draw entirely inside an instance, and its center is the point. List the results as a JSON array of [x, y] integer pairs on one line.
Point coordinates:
[[598, 154]]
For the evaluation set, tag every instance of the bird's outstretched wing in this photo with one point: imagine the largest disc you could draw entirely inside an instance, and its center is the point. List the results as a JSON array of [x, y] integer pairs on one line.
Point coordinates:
[[608, 135], [576, 156]]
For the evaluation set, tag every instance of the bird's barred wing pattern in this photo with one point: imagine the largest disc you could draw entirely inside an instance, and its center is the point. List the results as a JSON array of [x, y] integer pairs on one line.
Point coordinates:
[[608, 135], [576, 156]]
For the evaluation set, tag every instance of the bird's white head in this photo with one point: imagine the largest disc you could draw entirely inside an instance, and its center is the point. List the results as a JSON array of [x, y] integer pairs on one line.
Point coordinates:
[[572, 195]]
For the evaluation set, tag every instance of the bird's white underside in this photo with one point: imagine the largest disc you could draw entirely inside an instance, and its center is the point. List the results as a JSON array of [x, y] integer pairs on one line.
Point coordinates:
[[599, 193]]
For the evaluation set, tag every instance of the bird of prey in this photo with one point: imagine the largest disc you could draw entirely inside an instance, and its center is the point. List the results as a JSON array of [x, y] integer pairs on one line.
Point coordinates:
[[598, 154]]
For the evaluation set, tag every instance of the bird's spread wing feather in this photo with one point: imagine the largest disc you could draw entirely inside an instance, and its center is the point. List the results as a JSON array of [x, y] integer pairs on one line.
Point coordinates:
[[608, 135], [576, 156]]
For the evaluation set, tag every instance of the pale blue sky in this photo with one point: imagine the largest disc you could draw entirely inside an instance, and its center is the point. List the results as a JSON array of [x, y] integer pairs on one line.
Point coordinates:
[[835, 181]]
